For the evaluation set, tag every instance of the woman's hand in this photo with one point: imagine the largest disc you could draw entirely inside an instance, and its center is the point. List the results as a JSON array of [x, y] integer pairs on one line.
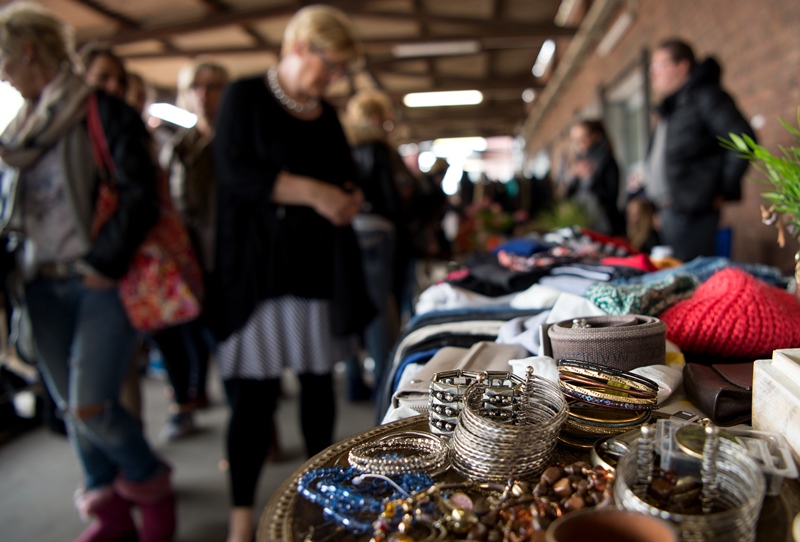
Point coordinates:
[[98, 282], [337, 205], [583, 169]]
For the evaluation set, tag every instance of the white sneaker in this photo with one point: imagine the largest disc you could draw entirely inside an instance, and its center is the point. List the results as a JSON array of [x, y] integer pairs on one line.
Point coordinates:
[[180, 424]]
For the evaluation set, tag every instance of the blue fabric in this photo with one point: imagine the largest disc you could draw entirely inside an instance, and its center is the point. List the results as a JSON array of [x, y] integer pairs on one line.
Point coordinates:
[[454, 314], [704, 266], [84, 343], [522, 247], [418, 357]]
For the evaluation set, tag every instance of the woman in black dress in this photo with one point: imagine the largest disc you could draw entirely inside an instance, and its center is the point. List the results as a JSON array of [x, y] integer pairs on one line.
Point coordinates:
[[291, 282]]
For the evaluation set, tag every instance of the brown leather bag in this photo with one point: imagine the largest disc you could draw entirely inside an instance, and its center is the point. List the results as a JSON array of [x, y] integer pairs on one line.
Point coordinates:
[[723, 392]]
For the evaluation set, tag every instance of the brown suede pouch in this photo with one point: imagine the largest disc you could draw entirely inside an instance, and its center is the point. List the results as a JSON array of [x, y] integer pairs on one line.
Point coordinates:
[[723, 392]]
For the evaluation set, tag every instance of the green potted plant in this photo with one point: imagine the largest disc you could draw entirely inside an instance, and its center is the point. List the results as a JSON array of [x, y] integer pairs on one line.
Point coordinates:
[[781, 171]]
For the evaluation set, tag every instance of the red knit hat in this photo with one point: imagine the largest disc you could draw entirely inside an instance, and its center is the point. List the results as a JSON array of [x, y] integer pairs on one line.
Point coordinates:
[[733, 314]]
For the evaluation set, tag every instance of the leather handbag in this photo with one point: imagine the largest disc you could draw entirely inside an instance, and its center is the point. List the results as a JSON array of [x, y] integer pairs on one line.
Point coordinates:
[[723, 392], [482, 356], [163, 286]]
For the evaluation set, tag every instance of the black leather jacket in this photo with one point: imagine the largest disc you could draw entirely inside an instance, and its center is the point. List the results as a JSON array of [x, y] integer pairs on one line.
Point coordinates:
[[698, 168], [136, 177]]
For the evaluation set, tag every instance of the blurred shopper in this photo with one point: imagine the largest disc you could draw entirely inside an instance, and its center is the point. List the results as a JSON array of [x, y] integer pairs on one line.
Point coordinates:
[[288, 261], [103, 69], [642, 233], [83, 337], [189, 159], [139, 94], [594, 183], [369, 116], [689, 175]]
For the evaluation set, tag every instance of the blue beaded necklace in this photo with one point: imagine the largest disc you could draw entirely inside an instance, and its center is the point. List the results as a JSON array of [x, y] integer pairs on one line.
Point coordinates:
[[352, 506]]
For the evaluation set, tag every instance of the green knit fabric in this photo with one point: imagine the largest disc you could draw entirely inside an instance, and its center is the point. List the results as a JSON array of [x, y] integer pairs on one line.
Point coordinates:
[[649, 299]]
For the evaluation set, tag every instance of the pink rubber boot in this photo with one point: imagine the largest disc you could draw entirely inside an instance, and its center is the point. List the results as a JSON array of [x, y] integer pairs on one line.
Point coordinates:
[[156, 503], [112, 517]]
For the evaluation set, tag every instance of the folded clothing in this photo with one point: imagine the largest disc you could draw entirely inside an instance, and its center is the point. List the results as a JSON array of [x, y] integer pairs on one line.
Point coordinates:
[[733, 314], [639, 261], [651, 299]]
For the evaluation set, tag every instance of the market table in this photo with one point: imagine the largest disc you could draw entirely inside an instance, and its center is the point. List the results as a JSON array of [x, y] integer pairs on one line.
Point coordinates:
[[288, 516]]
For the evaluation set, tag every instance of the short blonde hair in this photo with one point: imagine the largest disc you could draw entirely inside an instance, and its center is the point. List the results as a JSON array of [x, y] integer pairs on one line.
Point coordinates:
[[369, 103], [22, 22], [188, 73], [324, 28]]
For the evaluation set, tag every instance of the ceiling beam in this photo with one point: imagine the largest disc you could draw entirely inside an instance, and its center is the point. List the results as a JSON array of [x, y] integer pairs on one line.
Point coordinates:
[[216, 6], [216, 20], [464, 113], [117, 17], [491, 88], [373, 48], [592, 27]]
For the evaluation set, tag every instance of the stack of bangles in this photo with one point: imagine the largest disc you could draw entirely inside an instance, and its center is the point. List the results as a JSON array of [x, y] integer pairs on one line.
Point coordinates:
[[603, 401], [401, 454]]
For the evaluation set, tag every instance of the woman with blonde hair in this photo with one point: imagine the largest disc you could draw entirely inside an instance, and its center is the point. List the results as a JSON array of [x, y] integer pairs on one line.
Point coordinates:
[[288, 260], [380, 226], [83, 338]]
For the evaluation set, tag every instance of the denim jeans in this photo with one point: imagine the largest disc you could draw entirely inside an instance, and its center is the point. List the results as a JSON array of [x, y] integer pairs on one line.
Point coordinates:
[[376, 239], [84, 344]]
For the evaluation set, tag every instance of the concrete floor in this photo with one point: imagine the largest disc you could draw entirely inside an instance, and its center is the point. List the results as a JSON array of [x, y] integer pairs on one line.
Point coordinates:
[[39, 473]]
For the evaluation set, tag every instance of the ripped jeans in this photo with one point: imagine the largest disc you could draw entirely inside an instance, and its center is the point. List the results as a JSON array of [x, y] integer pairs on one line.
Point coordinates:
[[84, 345]]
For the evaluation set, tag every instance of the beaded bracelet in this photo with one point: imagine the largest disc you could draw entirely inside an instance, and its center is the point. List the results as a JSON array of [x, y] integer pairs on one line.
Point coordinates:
[[353, 507], [577, 393], [621, 396]]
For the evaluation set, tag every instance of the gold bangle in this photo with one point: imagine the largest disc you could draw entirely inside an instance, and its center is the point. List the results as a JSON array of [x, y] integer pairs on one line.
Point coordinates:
[[579, 410], [621, 399], [608, 378], [595, 429]]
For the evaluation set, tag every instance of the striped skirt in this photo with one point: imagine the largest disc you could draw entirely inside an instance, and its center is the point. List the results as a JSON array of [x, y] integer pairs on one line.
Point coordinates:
[[284, 332]]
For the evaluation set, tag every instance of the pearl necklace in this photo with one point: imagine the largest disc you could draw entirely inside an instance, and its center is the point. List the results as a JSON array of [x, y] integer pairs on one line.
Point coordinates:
[[286, 101]]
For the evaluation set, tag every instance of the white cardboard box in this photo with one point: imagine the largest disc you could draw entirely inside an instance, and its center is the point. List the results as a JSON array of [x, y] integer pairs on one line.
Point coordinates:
[[776, 396]]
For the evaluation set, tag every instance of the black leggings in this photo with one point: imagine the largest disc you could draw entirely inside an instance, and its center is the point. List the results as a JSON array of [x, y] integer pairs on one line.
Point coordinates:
[[253, 403]]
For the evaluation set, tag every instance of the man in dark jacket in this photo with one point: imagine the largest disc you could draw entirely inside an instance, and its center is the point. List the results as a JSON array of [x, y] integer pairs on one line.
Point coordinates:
[[689, 174]]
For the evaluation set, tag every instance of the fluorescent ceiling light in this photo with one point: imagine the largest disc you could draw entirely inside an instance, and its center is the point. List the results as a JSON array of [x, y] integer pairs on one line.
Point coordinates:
[[442, 48], [564, 12], [434, 99], [528, 95], [543, 60], [175, 115], [458, 147], [408, 149], [426, 159], [615, 33], [451, 179]]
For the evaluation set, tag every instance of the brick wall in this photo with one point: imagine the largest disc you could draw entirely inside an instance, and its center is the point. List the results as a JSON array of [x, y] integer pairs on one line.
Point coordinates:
[[758, 46]]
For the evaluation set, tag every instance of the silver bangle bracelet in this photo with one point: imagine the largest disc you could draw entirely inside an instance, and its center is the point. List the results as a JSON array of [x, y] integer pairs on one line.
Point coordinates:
[[401, 455], [511, 430]]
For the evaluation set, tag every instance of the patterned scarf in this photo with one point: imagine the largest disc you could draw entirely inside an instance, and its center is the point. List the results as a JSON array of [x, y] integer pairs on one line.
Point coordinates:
[[39, 125]]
